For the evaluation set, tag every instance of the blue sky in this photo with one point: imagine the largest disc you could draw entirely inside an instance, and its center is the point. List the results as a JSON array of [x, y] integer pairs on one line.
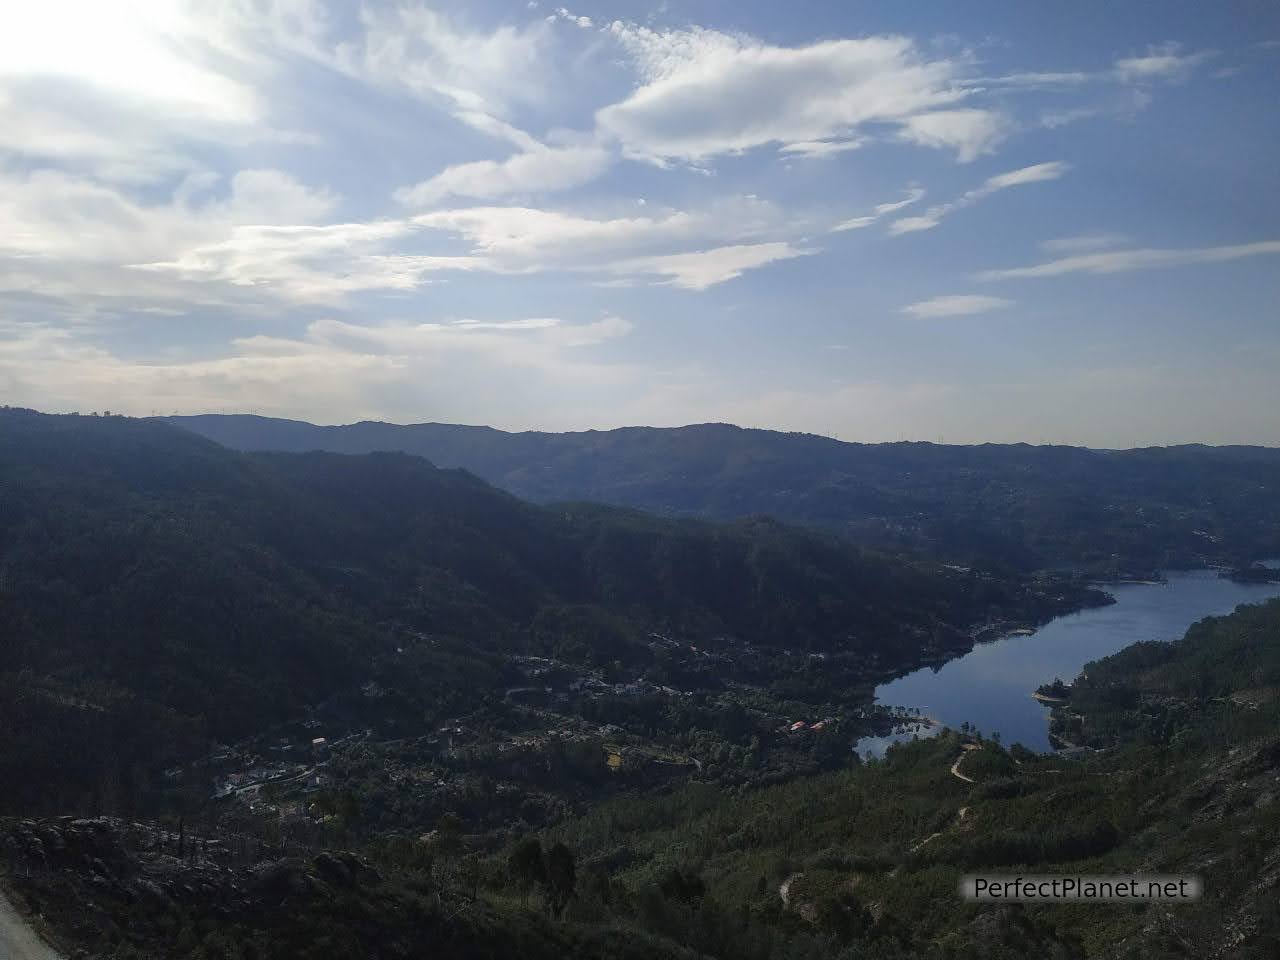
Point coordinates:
[[878, 221]]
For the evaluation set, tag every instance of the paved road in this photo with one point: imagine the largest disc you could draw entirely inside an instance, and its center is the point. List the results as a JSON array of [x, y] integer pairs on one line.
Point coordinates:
[[17, 940]]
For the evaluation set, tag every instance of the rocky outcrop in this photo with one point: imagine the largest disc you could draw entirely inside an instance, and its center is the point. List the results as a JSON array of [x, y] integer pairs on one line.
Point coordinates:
[[106, 882]]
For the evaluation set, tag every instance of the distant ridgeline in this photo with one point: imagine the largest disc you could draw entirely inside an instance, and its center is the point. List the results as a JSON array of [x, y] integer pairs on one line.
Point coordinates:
[[1107, 513], [159, 591]]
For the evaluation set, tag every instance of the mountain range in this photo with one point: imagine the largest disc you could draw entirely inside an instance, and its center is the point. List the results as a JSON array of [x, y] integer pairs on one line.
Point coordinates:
[[1108, 513]]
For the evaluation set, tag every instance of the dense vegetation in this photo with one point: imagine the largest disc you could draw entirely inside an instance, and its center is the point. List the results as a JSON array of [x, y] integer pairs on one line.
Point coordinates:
[[158, 591], [1216, 687], [1184, 782], [862, 862], [1111, 513], [361, 706]]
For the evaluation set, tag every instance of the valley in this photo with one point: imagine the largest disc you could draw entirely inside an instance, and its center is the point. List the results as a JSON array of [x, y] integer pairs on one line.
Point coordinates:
[[367, 685]]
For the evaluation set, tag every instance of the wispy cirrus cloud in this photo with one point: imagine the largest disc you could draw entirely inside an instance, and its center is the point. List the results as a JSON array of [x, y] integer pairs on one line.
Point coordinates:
[[706, 268], [1163, 62], [955, 305], [1036, 173], [811, 149], [424, 52], [1123, 261], [879, 211]]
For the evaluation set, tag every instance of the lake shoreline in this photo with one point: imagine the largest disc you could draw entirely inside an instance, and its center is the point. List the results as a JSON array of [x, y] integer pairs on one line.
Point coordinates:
[[993, 686]]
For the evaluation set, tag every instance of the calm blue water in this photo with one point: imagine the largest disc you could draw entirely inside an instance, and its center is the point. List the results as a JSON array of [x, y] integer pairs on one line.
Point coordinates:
[[991, 687]]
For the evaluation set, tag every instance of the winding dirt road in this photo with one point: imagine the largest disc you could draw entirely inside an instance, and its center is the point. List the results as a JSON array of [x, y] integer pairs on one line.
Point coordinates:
[[955, 767], [17, 940]]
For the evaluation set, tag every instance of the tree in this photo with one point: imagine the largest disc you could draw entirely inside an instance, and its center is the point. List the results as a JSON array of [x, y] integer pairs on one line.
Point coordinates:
[[527, 867], [686, 887], [842, 915], [448, 835], [561, 878]]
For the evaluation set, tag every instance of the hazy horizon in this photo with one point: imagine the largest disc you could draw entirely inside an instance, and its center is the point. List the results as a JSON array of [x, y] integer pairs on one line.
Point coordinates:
[[943, 441], [995, 223]]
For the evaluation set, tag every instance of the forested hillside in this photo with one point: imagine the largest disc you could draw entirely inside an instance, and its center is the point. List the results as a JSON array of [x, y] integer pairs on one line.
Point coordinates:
[[865, 863], [159, 592], [861, 862], [1018, 506]]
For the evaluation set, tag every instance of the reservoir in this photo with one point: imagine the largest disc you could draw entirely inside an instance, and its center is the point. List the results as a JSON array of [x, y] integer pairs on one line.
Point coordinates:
[[991, 686]]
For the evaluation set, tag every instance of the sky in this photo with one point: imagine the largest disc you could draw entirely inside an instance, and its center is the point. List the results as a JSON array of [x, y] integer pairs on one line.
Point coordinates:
[[996, 221]]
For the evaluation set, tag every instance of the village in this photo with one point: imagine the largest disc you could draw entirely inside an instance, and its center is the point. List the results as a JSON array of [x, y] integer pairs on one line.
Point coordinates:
[[553, 736]]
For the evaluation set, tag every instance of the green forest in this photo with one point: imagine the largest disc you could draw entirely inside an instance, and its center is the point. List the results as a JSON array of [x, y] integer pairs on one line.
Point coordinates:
[[312, 704], [860, 862]]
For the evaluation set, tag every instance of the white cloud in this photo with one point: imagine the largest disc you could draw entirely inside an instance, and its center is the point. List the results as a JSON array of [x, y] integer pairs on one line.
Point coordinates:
[[913, 224], [263, 237], [140, 50], [422, 51], [272, 196], [880, 210], [706, 93], [706, 268], [525, 238], [306, 264], [1037, 80], [541, 170], [1165, 62], [913, 195], [1036, 173], [1121, 261], [499, 129], [55, 369], [59, 216], [955, 305], [131, 92], [334, 368], [551, 329], [577, 20], [480, 76], [532, 340], [821, 148], [970, 132], [262, 234], [853, 223], [693, 250], [1053, 119]]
